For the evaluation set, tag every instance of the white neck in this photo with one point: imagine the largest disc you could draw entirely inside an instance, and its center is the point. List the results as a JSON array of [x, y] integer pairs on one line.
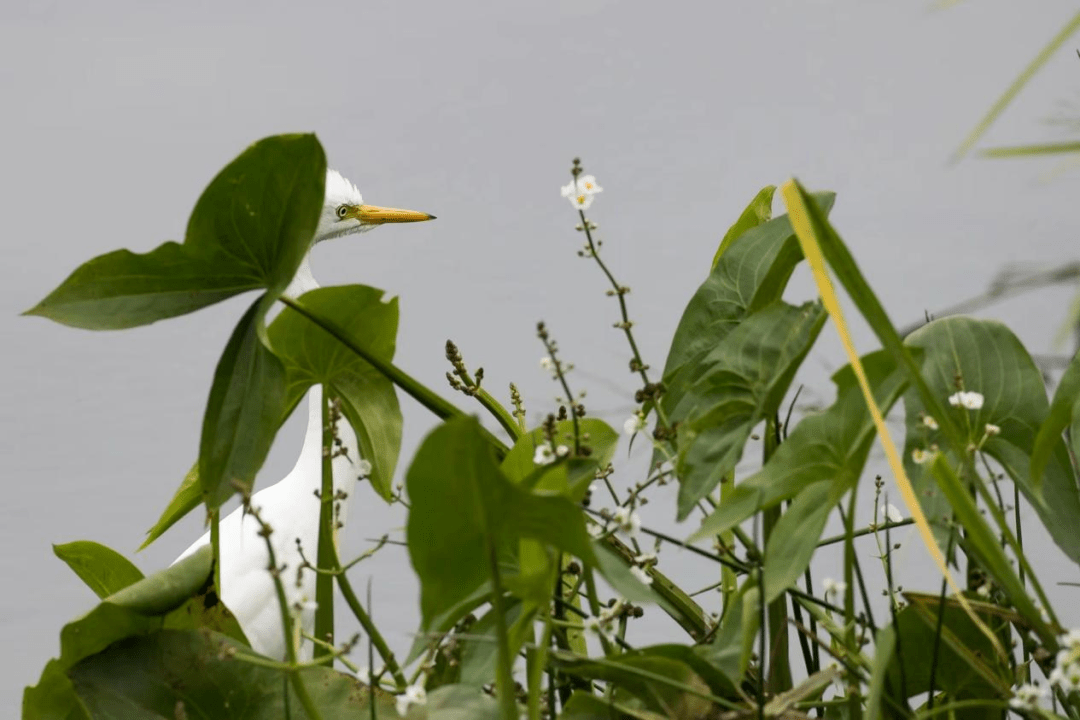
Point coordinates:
[[303, 280]]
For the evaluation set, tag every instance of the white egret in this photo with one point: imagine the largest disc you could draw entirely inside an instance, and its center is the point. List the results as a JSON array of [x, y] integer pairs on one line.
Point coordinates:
[[290, 506]]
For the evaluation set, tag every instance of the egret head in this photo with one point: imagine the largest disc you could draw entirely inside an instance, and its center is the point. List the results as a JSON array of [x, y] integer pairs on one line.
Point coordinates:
[[344, 212]]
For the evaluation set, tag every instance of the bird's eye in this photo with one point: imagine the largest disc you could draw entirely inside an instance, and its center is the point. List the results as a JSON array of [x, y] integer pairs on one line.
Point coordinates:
[[342, 211]]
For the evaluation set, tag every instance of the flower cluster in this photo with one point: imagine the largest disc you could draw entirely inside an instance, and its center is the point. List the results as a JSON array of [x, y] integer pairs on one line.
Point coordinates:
[[413, 695], [581, 191], [546, 454], [1066, 673], [969, 400]]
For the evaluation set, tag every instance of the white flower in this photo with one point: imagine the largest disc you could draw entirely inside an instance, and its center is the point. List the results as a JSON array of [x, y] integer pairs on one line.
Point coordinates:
[[645, 559], [594, 626], [992, 429], [834, 587], [1027, 697], [413, 695], [364, 467], [930, 422], [1067, 678], [546, 363], [581, 191], [627, 521], [544, 454], [640, 574], [1071, 639], [892, 513], [984, 590], [594, 530], [562, 451], [969, 400], [633, 424], [919, 456]]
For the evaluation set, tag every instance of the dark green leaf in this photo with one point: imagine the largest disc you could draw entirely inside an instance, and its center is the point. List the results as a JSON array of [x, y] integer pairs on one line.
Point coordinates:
[[311, 355], [795, 536], [104, 570], [462, 505], [748, 275], [250, 229], [991, 361], [196, 673], [739, 383], [244, 412], [263, 208], [136, 610], [831, 445], [757, 212], [123, 289]]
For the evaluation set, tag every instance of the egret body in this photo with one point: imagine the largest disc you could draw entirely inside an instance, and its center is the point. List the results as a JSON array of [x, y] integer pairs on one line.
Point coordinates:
[[290, 506]]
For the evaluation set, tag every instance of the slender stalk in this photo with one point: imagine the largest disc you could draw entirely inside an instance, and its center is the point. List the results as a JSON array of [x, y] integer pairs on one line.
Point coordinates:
[[864, 532], [324, 584], [387, 655], [215, 543], [850, 641], [779, 677], [537, 658], [504, 680]]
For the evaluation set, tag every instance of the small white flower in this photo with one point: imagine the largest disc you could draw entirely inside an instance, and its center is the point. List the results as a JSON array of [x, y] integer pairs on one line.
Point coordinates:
[[930, 422], [1067, 678], [363, 467], [892, 513], [413, 695], [969, 400], [547, 363], [984, 590], [562, 451], [1027, 697], [640, 574], [633, 424], [581, 191], [992, 429], [1071, 639], [645, 559], [628, 521], [594, 530], [544, 454], [919, 456], [594, 626], [834, 587]]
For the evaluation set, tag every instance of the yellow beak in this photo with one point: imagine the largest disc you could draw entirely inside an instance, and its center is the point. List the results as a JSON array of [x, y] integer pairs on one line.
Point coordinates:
[[375, 215]]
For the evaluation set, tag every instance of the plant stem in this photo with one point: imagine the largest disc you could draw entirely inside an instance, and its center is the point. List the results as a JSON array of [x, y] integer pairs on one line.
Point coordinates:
[[779, 678], [438, 405], [324, 584], [504, 681]]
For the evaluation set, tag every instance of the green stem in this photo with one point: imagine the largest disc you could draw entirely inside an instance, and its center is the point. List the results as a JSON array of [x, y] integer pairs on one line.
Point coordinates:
[[537, 663], [779, 677], [850, 641], [366, 622], [437, 404], [324, 584], [504, 680], [500, 413], [215, 543]]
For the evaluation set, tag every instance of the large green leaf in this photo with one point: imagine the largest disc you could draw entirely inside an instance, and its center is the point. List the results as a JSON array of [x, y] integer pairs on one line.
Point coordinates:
[[244, 412], [135, 610], [313, 356], [991, 360], [831, 445], [250, 229], [104, 570], [263, 208], [739, 383], [731, 647], [750, 271], [187, 673], [462, 506]]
